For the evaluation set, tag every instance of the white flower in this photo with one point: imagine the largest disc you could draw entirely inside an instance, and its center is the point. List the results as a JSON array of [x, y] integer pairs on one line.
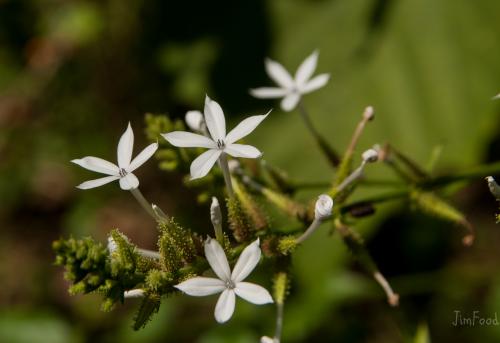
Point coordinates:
[[323, 208], [219, 142], [122, 171], [291, 89], [194, 120], [228, 283], [266, 339]]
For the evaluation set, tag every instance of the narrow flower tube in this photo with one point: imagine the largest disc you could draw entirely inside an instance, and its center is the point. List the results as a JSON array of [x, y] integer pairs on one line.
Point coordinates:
[[322, 211], [216, 217]]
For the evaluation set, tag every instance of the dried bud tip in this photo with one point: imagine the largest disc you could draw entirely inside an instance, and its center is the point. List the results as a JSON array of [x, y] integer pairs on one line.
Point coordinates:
[[369, 113], [370, 156], [468, 240], [393, 300], [323, 208]]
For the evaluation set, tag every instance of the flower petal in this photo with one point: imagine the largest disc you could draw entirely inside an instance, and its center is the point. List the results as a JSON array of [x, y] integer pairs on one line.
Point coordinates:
[[246, 262], [268, 92], [125, 147], [194, 120], [217, 259], [129, 182], [290, 102], [201, 286], [203, 163], [253, 293], [97, 182], [306, 69], [185, 139], [143, 156], [225, 306], [97, 164], [214, 118], [244, 128], [278, 73], [316, 83], [242, 150]]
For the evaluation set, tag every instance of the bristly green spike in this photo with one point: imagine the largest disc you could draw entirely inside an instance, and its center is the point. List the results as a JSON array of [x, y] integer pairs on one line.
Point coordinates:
[[250, 206], [149, 306], [431, 204], [286, 204], [239, 223]]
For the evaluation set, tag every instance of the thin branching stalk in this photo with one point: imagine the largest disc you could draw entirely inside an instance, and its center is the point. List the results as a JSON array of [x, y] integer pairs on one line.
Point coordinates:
[[310, 230], [143, 202]]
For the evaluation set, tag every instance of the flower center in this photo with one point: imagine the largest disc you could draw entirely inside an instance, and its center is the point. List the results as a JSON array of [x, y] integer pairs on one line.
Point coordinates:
[[221, 144], [230, 284], [122, 172]]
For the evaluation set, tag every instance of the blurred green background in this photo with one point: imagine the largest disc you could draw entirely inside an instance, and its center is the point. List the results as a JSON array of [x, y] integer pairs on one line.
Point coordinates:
[[73, 73]]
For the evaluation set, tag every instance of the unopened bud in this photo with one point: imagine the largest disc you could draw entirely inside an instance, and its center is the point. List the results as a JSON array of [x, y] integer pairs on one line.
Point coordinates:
[[216, 217], [370, 156], [493, 186], [112, 247], [267, 339], [133, 293], [369, 113], [194, 120], [160, 215], [323, 208]]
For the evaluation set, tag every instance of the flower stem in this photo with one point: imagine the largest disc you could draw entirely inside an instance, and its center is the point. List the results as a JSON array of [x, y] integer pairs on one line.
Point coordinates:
[[330, 154], [227, 175], [392, 298], [310, 230], [279, 321], [143, 202]]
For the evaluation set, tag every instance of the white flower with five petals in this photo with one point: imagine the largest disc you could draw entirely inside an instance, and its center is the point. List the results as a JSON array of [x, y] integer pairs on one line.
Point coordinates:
[[122, 171], [218, 142], [228, 283], [291, 88]]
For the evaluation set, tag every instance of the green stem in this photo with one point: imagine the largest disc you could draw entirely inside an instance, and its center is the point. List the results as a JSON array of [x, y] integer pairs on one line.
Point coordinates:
[[143, 202], [227, 175]]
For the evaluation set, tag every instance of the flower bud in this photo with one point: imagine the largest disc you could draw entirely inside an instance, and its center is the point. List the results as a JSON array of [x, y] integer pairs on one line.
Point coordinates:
[[194, 120], [369, 113], [134, 293], [323, 208], [112, 247], [216, 217], [493, 186], [267, 339], [370, 156]]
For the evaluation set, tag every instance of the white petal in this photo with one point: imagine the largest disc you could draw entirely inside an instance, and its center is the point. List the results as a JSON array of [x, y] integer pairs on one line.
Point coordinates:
[[134, 293], [306, 69], [268, 92], [125, 147], [290, 102], [242, 150], [225, 306], [97, 164], [201, 286], [97, 182], [143, 156], [246, 262], [244, 128], [203, 163], [316, 83], [129, 182], [185, 139], [253, 293], [217, 259], [278, 73], [194, 120], [214, 118], [265, 339]]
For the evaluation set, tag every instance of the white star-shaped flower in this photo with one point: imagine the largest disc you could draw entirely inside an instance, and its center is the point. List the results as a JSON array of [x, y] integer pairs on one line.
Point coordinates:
[[291, 88], [122, 171], [219, 142], [228, 283]]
